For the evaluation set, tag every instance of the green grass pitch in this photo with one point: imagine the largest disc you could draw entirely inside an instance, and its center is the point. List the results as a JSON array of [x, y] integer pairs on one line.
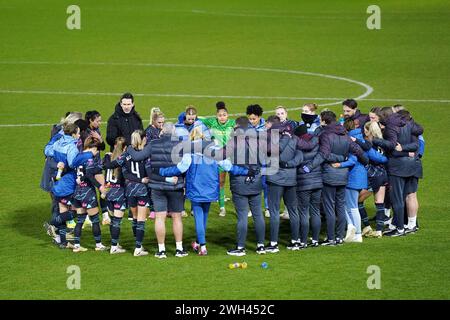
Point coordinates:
[[171, 54]]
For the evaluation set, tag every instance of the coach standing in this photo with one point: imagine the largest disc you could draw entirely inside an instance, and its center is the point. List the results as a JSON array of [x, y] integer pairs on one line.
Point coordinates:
[[124, 121]]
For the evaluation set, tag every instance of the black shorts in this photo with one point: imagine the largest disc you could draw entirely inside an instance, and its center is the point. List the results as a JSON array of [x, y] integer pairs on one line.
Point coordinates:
[[67, 200], [375, 183], [137, 195], [116, 200], [411, 185], [133, 202], [85, 197], [168, 201]]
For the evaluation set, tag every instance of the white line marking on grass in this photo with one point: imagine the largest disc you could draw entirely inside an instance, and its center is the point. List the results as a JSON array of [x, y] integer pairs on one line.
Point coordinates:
[[368, 88]]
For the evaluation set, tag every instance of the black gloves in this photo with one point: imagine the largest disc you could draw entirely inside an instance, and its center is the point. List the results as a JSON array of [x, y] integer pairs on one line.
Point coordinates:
[[283, 164], [252, 172]]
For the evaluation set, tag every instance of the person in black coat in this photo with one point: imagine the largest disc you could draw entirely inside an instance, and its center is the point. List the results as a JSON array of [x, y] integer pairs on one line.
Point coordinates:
[[309, 189], [400, 137], [124, 121], [334, 143]]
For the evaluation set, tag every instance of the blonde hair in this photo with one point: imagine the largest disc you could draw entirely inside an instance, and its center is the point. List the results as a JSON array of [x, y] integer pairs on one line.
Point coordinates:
[[120, 145], [281, 107], [311, 106], [155, 113], [196, 134], [137, 139], [374, 130], [71, 118]]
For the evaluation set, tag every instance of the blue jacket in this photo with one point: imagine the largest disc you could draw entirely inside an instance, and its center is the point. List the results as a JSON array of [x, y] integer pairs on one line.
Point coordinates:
[[261, 126], [421, 146], [183, 131], [202, 176], [357, 177], [67, 184], [63, 149]]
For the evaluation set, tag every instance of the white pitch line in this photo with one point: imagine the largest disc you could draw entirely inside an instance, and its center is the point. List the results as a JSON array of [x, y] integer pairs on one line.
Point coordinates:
[[368, 88]]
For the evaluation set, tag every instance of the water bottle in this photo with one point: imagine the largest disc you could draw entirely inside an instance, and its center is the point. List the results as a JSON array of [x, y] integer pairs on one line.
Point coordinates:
[[237, 265]]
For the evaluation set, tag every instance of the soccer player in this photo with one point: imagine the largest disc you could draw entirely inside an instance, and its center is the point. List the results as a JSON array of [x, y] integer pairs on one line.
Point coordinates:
[[221, 129], [116, 200], [309, 189], [168, 197], [246, 190], [62, 148], [254, 114], [334, 141], [402, 136], [136, 190], [377, 177], [282, 184], [309, 117], [153, 132], [202, 181], [50, 168], [89, 177], [94, 120]]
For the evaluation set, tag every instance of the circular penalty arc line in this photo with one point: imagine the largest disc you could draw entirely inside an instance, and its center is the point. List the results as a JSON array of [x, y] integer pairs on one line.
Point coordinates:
[[368, 88]]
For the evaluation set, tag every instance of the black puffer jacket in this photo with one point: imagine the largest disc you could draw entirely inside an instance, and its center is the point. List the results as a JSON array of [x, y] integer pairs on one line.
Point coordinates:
[[160, 154], [121, 124], [244, 153], [333, 142], [399, 130], [362, 118], [313, 179], [289, 158]]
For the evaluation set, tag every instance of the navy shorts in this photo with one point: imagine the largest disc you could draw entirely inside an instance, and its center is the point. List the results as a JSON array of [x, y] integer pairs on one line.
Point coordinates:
[[411, 185], [116, 200], [85, 197], [67, 200], [137, 195], [169, 201]]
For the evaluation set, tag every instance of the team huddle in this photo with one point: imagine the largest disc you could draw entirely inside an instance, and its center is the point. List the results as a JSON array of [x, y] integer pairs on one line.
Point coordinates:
[[322, 167]]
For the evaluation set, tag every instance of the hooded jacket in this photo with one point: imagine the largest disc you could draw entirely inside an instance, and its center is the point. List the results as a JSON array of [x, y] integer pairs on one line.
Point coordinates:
[[290, 157], [400, 131], [312, 122], [242, 153], [334, 140], [313, 179], [362, 118], [357, 177], [122, 124]]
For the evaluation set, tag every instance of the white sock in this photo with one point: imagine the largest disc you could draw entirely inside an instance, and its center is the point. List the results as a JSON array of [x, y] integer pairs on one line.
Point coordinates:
[[179, 245], [273, 243], [76, 245], [240, 248], [412, 222], [113, 248], [203, 248], [260, 245], [387, 212], [98, 245], [161, 247]]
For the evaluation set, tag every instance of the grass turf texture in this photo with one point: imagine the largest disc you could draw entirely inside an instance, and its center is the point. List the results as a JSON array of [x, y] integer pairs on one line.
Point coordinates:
[[407, 59]]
